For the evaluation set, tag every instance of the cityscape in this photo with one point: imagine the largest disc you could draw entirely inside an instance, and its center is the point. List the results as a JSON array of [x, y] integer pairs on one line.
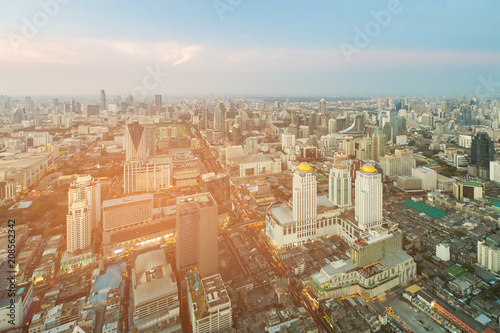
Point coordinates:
[[203, 170]]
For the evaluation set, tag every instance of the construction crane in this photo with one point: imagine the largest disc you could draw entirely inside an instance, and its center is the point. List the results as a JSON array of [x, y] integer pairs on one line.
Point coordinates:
[[475, 173]]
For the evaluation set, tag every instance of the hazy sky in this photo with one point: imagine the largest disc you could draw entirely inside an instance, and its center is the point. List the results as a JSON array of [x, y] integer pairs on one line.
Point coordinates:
[[248, 46]]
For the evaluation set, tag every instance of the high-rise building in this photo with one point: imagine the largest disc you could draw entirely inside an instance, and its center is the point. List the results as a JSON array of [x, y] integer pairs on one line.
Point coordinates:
[[288, 141], [93, 110], [104, 105], [488, 253], [368, 198], [379, 145], [158, 101], [252, 145], [407, 160], [482, 150], [197, 233], [332, 126], [87, 188], [340, 191], [210, 306], [393, 118], [140, 176], [218, 186], [78, 226], [376, 245], [304, 194], [220, 119], [139, 141], [322, 106]]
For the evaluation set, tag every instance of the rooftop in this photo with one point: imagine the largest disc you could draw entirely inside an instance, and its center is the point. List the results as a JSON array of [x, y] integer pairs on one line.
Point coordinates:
[[127, 200]]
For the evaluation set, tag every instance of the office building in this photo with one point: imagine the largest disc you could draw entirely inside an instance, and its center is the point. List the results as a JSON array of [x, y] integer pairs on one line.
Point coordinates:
[[87, 188], [340, 187], [197, 234], [252, 146], [391, 165], [220, 119], [368, 198], [139, 141], [158, 101], [127, 212], [488, 253], [495, 171], [140, 176], [482, 150], [428, 178], [78, 226], [379, 145], [93, 110], [408, 161], [332, 126], [210, 306], [218, 186], [322, 106], [288, 141], [104, 105], [156, 306], [393, 118], [470, 190]]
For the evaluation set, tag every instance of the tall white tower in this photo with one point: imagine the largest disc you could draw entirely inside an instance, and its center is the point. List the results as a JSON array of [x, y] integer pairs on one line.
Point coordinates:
[[368, 200], [339, 191], [87, 188], [78, 232], [305, 199]]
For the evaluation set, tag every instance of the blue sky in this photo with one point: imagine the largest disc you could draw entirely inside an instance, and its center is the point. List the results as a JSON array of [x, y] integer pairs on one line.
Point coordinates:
[[258, 47]]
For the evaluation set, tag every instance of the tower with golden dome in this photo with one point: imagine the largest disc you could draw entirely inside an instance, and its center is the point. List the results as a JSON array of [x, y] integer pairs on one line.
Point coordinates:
[[368, 199], [304, 198]]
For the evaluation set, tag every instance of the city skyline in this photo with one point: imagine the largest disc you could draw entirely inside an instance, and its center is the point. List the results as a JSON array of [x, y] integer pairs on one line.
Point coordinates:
[[241, 47]]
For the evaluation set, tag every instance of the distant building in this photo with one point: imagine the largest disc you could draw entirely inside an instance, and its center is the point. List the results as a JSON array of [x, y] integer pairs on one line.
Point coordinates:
[[128, 211], [93, 110], [409, 183], [140, 176], [197, 234], [139, 141], [470, 190], [210, 306], [482, 150], [495, 171], [288, 141], [252, 146]]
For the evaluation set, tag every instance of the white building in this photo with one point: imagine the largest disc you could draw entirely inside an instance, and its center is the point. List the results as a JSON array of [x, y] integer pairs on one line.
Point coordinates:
[[142, 176], [288, 141], [78, 226], [427, 176], [495, 171], [368, 199], [304, 194], [464, 141], [210, 306], [391, 165], [87, 188], [443, 251], [340, 186], [252, 146], [488, 253]]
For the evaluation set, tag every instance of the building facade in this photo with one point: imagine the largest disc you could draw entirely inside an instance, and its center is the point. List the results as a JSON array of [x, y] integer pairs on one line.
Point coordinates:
[[340, 186], [368, 198]]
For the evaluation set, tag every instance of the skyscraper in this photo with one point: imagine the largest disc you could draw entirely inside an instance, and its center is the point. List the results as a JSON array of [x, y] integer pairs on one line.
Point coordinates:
[[304, 193], [158, 101], [104, 105], [197, 233], [379, 145], [78, 226], [482, 150], [139, 141], [220, 119], [339, 191], [393, 118], [368, 199], [322, 106], [89, 189]]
